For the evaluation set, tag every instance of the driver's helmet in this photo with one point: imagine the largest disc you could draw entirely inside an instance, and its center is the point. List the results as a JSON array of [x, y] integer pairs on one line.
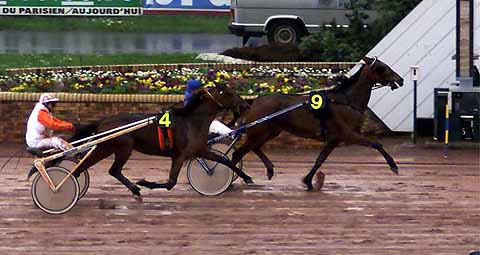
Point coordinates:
[[192, 85], [47, 98]]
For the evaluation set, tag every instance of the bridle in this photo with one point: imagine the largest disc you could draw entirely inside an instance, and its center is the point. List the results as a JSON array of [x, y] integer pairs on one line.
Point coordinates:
[[213, 98], [377, 85]]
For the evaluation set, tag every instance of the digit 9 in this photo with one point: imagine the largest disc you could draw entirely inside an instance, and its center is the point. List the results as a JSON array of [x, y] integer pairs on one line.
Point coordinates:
[[316, 102]]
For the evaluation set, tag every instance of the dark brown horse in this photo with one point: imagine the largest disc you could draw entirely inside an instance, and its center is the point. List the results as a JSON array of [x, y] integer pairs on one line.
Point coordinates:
[[340, 122], [190, 134]]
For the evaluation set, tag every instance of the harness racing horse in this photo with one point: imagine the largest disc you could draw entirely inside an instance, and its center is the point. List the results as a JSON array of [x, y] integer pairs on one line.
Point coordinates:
[[340, 122], [190, 135]]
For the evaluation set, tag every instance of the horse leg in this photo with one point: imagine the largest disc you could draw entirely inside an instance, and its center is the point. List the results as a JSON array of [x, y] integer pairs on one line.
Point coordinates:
[[266, 161], [255, 144], [177, 164], [121, 157], [217, 158], [239, 153], [307, 180], [379, 148]]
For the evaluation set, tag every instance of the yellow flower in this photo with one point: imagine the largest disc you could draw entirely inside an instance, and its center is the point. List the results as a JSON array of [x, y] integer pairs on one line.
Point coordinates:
[[263, 85], [285, 80], [225, 74], [76, 86], [148, 81], [17, 89], [160, 83]]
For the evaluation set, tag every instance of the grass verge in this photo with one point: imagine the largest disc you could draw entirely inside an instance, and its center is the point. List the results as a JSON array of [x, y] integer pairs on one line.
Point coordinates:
[[178, 23], [48, 60]]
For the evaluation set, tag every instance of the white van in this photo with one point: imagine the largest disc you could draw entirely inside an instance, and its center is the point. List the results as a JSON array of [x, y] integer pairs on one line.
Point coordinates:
[[285, 21]]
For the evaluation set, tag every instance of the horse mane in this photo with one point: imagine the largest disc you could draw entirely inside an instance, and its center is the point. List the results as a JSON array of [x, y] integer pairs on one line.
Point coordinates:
[[195, 101], [344, 82]]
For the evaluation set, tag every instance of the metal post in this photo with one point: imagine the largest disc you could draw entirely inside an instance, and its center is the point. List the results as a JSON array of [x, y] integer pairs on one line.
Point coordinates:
[[445, 153], [414, 70], [415, 112]]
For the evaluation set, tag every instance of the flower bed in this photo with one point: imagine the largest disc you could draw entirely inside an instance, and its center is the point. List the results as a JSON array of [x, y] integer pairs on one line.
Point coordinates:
[[253, 81]]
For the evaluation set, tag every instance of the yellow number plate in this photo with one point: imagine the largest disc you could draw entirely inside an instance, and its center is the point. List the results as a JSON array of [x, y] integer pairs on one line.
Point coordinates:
[[317, 101], [165, 119]]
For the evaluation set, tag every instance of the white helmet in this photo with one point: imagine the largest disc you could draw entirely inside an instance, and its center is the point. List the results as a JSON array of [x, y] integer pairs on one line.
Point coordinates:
[[47, 97]]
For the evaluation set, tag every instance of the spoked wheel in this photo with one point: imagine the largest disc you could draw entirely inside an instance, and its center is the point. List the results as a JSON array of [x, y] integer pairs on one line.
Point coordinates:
[[83, 179], [60, 201], [209, 177], [223, 148]]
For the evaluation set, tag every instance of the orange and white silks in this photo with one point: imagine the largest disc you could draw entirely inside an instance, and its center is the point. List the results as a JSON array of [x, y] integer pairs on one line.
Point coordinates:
[[40, 127]]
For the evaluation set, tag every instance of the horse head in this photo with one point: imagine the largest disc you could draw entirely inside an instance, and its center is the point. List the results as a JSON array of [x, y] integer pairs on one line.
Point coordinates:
[[226, 97], [382, 74]]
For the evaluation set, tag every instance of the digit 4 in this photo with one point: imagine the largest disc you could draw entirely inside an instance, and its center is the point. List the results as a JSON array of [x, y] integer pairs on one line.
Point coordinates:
[[165, 121]]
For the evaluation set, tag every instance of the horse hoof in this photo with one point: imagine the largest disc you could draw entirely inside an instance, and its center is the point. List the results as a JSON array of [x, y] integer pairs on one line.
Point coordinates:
[[138, 198], [136, 191], [270, 176], [308, 184], [395, 169]]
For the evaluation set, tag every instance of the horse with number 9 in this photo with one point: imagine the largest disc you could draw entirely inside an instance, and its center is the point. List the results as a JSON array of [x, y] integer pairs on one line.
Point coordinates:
[[339, 121]]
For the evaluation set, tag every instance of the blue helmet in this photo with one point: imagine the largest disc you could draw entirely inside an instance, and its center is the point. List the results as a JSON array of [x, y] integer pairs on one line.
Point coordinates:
[[191, 86]]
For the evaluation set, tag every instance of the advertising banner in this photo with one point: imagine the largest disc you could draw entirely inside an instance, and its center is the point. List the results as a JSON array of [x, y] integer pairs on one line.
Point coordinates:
[[190, 6], [71, 7]]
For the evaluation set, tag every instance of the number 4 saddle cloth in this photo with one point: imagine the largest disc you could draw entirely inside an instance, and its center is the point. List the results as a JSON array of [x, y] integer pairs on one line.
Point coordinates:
[[164, 130]]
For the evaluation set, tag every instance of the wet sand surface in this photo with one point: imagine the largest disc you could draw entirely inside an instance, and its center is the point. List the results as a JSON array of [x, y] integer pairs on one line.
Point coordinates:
[[432, 207]]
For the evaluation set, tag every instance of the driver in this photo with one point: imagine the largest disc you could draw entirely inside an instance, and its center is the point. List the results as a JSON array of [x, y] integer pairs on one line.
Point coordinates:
[[217, 127], [41, 125]]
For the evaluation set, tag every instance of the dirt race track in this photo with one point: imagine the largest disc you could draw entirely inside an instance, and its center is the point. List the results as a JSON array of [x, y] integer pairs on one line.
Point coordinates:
[[432, 207]]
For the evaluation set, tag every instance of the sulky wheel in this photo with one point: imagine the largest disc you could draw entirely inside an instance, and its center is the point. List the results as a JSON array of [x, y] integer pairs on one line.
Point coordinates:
[[83, 179], [60, 201], [223, 148], [210, 183]]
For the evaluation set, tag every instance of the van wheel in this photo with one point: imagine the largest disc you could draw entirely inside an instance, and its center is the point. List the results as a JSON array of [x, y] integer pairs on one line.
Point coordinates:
[[284, 32]]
